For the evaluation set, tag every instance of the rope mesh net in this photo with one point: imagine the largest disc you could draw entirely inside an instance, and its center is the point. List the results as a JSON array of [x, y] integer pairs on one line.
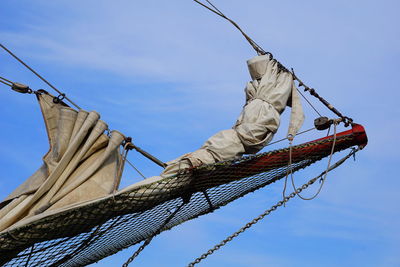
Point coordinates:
[[89, 233]]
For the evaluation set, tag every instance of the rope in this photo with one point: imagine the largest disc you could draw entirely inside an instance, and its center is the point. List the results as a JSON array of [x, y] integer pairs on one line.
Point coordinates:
[[216, 8], [216, 11], [290, 159], [273, 208], [124, 156], [141, 174], [6, 80], [326, 172], [17, 87], [308, 101], [290, 169], [6, 83], [38, 75], [280, 140]]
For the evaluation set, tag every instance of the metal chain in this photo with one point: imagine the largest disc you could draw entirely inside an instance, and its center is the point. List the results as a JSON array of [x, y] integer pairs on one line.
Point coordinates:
[[137, 252], [273, 208], [241, 230]]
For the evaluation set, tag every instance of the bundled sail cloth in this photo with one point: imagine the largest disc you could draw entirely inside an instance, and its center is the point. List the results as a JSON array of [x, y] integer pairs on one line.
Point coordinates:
[[267, 96], [83, 164]]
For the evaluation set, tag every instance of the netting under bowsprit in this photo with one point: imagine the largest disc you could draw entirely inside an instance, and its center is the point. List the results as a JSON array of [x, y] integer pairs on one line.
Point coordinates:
[[86, 234]]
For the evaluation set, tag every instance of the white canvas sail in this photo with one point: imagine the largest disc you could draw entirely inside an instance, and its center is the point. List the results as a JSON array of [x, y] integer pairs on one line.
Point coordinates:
[[267, 96], [82, 164]]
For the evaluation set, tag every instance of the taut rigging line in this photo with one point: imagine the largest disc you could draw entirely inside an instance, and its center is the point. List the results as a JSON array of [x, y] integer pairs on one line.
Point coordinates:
[[38, 75]]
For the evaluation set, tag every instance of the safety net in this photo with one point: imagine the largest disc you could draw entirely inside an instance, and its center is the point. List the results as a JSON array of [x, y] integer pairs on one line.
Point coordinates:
[[86, 234]]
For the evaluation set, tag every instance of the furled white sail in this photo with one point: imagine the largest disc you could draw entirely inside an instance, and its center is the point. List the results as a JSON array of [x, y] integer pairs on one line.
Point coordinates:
[[82, 164], [267, 96]]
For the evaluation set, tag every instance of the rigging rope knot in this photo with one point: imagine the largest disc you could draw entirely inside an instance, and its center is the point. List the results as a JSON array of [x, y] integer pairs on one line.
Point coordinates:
[[127, 143]]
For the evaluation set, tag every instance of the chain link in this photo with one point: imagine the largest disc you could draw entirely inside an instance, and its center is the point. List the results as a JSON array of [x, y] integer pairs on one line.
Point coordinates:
[[137, 252]]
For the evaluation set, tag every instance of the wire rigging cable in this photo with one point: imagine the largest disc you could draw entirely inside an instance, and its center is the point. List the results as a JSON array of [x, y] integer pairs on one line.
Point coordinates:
[[136, 169], [5, 81], [216, 11], [286, 138], [38, 75]]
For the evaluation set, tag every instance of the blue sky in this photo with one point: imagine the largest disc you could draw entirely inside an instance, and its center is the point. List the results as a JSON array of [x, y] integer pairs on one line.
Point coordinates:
[[170, 74]]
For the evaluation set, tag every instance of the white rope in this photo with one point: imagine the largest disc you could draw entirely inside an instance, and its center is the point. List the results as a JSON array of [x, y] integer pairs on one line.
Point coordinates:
[[335, 122]]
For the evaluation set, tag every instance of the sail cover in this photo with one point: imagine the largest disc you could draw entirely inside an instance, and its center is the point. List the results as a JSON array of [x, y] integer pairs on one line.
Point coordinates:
[[83, 164], [272, 88]]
